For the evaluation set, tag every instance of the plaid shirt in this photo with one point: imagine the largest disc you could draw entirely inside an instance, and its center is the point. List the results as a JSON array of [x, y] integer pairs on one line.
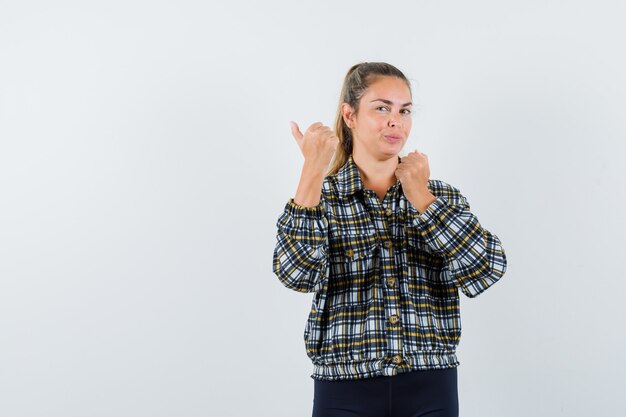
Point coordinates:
[[385, 278]]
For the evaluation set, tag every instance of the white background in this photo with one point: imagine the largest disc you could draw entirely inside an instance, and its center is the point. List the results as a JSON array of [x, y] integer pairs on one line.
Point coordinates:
[[146, 154]]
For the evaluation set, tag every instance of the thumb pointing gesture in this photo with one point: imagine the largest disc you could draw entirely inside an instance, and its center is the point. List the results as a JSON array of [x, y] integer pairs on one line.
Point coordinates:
[[318, 143], [295, 131]]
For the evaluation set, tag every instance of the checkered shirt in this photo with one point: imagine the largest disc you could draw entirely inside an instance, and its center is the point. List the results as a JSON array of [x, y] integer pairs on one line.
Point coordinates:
[[385, 278]]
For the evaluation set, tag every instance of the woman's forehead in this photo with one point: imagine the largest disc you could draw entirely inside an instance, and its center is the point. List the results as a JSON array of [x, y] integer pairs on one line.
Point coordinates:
[[388, 89]]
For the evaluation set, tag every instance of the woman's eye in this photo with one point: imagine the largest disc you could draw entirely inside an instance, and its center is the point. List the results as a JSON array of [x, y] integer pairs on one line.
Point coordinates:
[[381, 107], [407, 111]]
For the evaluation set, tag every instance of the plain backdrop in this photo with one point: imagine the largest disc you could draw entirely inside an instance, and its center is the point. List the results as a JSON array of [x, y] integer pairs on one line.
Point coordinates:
[[146, 155]]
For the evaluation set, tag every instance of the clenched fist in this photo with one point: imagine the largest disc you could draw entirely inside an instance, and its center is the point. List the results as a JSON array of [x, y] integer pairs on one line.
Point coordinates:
[[413, 172], [318, 144]]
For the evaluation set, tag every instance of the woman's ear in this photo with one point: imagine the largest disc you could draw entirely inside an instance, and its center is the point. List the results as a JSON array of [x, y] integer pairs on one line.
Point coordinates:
[[348, 114]]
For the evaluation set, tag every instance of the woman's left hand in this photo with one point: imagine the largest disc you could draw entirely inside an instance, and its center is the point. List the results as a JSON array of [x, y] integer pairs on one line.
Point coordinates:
[[413, 171]]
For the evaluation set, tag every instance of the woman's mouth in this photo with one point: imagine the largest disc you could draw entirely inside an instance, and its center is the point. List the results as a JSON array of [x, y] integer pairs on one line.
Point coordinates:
[[392, 138]]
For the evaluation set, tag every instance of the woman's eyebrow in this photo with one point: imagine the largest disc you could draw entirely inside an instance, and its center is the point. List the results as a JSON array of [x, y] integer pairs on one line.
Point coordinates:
[[391, 102]]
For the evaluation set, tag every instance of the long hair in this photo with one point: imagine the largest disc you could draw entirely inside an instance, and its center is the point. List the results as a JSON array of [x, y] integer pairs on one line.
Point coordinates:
[[356, 82]]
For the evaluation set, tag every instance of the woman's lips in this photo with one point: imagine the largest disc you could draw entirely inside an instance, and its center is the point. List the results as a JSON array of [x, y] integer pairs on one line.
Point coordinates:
[[393, 138]]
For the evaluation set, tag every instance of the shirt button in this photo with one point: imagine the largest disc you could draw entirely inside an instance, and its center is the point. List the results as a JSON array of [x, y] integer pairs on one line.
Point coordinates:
[[391, 282], [388, 244], [393, 319], [350, 253], [388, 212], [397, 359]]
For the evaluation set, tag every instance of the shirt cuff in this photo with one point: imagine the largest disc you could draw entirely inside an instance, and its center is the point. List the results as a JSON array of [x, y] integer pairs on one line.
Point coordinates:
[[297, 210], [306, 225]]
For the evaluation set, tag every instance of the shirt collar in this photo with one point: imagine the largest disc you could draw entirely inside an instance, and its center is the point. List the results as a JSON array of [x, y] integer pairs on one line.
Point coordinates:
[[348, 178]]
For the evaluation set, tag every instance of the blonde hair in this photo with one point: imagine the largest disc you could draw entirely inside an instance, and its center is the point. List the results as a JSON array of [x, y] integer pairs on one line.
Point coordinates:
[[356, 82]]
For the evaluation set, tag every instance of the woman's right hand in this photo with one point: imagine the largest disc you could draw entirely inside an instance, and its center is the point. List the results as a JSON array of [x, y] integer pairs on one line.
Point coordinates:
[[318, 144]]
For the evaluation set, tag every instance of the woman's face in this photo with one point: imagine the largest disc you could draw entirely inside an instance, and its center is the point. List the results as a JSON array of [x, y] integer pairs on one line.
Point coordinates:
[[383, 123]]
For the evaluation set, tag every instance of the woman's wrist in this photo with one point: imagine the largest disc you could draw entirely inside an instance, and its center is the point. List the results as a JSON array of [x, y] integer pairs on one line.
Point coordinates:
[[310, 186], [421, 199]]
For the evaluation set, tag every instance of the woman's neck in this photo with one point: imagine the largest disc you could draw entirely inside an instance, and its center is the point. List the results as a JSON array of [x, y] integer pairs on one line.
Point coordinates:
[[376, 173]]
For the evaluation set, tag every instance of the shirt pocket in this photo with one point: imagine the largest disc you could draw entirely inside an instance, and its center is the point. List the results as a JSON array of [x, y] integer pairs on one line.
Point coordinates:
[[356, 332], [421, 259], [444, 322], [353, 247], [354, 275]]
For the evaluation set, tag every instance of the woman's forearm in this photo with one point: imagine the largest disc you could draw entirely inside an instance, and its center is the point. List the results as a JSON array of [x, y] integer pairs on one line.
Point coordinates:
[[310, 186]]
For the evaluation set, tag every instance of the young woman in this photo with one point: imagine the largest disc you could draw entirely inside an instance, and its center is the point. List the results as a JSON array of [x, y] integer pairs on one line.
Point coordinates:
[[385, 250]]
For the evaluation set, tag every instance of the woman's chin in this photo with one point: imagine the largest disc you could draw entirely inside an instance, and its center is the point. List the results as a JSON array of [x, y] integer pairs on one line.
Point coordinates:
[[392, 149]]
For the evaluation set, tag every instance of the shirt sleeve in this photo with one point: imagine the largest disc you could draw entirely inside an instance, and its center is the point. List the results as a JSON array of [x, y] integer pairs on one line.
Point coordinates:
[[475, 257], [300, 256]]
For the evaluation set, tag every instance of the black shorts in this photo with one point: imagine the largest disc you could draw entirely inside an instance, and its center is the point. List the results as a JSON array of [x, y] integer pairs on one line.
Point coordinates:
[[431, 393]]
